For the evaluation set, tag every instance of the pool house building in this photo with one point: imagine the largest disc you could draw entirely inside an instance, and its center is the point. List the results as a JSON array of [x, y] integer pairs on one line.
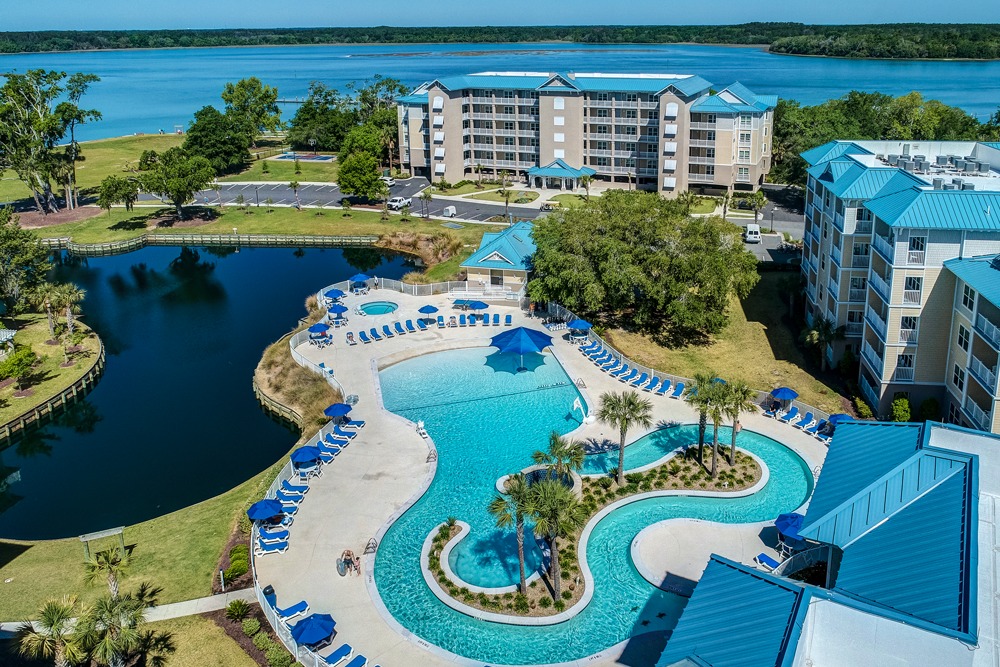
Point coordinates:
[[500, 266], [660, 132], [891, 230]]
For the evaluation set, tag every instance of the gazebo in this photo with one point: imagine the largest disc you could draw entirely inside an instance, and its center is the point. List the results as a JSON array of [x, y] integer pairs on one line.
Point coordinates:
[[557, 175]]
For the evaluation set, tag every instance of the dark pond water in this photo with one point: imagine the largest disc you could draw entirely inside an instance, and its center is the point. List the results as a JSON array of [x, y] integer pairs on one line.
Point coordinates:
[[174, 420]]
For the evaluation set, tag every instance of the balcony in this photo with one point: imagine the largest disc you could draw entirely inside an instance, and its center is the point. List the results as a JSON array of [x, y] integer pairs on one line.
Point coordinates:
[[984, 374], [988, 330], [505, 116], [601, 137], [633, 138], [701, 160], [861, 261], [908, 336], [742, 178], [857, 295], [527, 133], [702, 126], [879, 285], [481, 100], [505, 133], [878, 324], [602, 153], [863, 227], [835, 255], [882, 245], [648, 104], [702, 143], [701, 178], [869, 392], [915, 257], [854, 328], [979, 417], [482, 116], [873, 358], [911, 297], [606, 104], [903, 374]]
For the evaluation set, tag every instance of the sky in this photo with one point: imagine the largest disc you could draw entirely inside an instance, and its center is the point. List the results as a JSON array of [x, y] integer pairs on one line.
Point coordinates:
[[16, 15]]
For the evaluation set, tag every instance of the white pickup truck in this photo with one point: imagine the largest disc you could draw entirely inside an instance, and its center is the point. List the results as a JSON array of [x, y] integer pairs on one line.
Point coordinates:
[[397, 203]]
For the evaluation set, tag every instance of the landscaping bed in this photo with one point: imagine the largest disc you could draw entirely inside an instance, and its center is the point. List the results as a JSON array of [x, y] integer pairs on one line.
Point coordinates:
[[254, 635]]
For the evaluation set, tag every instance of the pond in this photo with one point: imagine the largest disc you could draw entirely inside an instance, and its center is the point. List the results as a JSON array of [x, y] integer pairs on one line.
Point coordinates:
[[174, 420]]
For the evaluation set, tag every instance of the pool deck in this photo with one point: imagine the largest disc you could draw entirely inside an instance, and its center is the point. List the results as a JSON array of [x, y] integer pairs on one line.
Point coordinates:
[[387, 467]]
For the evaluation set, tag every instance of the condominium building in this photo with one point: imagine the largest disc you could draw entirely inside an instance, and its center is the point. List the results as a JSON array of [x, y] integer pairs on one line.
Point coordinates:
[[660, 132], [890, 232]]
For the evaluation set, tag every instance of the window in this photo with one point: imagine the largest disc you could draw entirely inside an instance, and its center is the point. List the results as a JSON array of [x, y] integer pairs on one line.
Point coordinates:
[[954, 414], [958, 378], [630, 97], [508, 125], [603, 97], [746, 121], [629, 146], [912, 284], [862, 249], [559, 121], [650, 131], [710, 135], [509, 157], [743, 173], [671, 110], [559, 137], [744, 137], [601, 145], [744, 155], [765, 130], [963, 338], [559, 153], [631, 131], [908, 322], [599, 161], [627, 113], [509, 110], [969, 297], [438, 103], [558, 103], [855, 317], [508, 141], [859, 283], [602, 113], [507, 94], [710, 152]]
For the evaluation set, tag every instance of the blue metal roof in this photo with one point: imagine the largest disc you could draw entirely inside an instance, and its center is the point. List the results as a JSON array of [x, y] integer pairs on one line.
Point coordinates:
[[847, 178], [559, 169], [686, 85], [832, 150], [510, 249], [416, 98], [939, 209], [991, 144], [748, 101], [979, 274], [738, 617]]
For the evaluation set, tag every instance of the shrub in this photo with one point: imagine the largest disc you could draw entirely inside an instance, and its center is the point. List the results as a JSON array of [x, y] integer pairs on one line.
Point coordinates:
[[901, 409], [236, 569], [862, 408], [559, 605], [237, 610], [277, 656], [929, 410], [251, 626], [239, 552], [634, 477], [521, 604], [605, 482], [452, 521], [545, 603], [523, 200], [567, 595], [262, 641]]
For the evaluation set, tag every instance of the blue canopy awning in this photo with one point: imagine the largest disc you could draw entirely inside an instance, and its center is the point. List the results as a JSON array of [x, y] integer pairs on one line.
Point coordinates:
[[427, 310], [580, 325], [337, 410], [305, 454], [559, 169], [333, 293], [313, 629], [785, 394], [338, 308], [521, 341], [264, 509], [359, 278], [319, 327]]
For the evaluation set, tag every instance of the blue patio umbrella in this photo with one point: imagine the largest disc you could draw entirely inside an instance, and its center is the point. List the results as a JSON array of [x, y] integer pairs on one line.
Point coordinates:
[[789, 525], [338, 308], [264, 509], [313, 629], [521, 341], [505, 363], [477, 305], [839, 418], [333, 293], [319, 327], [785, 394], [307, 454], [359, 278], [580, 325], [337, 410], [427, 310]]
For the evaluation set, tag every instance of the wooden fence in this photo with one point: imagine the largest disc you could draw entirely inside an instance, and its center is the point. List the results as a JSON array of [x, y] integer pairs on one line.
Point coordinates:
[[212, 240]]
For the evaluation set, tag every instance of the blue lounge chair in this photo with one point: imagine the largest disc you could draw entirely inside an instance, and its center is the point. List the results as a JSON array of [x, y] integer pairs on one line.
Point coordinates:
[[350, 435], [806, 421], [288, 487], [461, 321], [664, 387], [387, 332], [654, 383], [507, 321], [600, 356], [625, 368], [766, 561], [399, 328], [264, 548], [589, 347], [824, 437], [374, 334], [351, 340], [359, 661], [496, 319], [678, 390], [287, 613], [287, 498], [641, 380], [409, 327], [336, 440], [611, 364], [597, 352], [344, 652], [628, 377], [272, 536], [817, 427], [440, 321], [790, 415], [420, 325], [364, 337], [355, 423], [773, 410], [604, 358]]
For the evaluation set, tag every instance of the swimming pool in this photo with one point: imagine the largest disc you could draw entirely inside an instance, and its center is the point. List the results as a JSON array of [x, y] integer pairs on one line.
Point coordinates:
[[486, 421], [378, 307]]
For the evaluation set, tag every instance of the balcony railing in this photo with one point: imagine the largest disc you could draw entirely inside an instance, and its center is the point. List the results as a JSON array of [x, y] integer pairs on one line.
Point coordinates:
[[915, 257], [702, 126], [877, 323], [869, 391], [857, 295], [861, 261], [863, 227], [987, 376], [908, 336], [701, 178], [742, 178], [854, 328], [873, 358], [980, 418], [701, 160], [835, 255], [911, 297], [527, 133], [879, 285], [702, 143], [599, 103], [903, 374], [882, 245], [988, 330]]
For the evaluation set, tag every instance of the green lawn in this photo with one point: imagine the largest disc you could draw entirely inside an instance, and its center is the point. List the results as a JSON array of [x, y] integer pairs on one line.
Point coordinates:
[[757, 346], [49, 378], [461, 190], [569, 200], [283, 171], [497, 197], [201, 642], [705, 205]]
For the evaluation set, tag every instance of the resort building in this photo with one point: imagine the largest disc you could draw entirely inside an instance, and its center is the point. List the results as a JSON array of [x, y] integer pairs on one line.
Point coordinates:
[[661, 132], [902, 541], [502, 262], [890, 228]]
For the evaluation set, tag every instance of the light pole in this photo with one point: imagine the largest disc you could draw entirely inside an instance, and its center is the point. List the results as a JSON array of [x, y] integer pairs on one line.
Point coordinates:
[[772, 220], [256, 196]]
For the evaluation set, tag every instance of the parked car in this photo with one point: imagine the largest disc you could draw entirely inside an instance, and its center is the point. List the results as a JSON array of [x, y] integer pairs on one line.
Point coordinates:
[[397, 203], [744, 204], [752, 233], [550, 206], [388, 180]]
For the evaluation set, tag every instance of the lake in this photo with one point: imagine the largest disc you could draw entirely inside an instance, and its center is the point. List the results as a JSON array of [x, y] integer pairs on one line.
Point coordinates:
[[151, 90], [173, 421]]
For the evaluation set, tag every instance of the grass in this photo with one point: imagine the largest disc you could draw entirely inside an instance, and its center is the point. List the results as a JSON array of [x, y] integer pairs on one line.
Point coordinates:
[[705, 205], [197, 638], [758, 346], [283, 171], [497, 197], [461, 190], [570, 200], [49, 376]]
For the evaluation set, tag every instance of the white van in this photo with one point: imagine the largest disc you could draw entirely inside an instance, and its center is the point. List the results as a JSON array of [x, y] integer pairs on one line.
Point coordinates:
[[450, 212], [752, 233]]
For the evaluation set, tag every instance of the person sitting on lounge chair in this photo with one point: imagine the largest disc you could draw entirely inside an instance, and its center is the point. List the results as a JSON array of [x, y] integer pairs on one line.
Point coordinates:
[[348, 558]]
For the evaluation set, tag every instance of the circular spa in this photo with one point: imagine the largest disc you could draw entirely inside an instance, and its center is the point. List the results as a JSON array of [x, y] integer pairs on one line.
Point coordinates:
[[486, 420], [378, 307]]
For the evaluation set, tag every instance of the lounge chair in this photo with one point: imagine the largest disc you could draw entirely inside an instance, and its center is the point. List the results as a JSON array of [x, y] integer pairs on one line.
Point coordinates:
[[336, 440], [264, 548], [343, 652], [765, 561], [420, 325], [774, 410], [603, 358], [678, 390], [597, 351], [332, 448], [589, 347], [355, 423], [507, 321], [399, 328], [496, 319], [641, 380], [358, 661], [387, 332], [652, 385], [790, 416], [409, 326], [452, 322], [825, 438], [486, 320], [611, 364], [628, 377], [350, 435], [817, 427], [272, 536], [440, 321], [461, 321], [625, 368], [287, 498], [288, 487], [374, 334], [364, 337], [291, 612], [806, 421]]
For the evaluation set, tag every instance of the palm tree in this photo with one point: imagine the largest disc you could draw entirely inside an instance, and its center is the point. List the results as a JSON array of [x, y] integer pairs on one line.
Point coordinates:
[[824, 332], [688, 200], [564, 456], [425, 201], [110, 629], [624, 411], [740, 398], [294, 185], [69, 298], [46, 295], [701, 397], [218, 193], [726, 198], [512, 508], [504, 176], [716, 410], [557, 514], [52, 635], [585, 182], [479, 172], [388, 137], [757, 201], [110, 565]]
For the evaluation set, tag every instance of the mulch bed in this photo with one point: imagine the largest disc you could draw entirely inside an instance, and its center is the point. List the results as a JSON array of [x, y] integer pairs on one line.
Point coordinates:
[[32, 219], [235, 630], [24, 393], [245, 581]]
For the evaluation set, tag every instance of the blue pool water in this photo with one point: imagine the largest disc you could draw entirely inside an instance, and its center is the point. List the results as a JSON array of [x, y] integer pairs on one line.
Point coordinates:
[[648, 449], [486, 421], [378, 307]]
